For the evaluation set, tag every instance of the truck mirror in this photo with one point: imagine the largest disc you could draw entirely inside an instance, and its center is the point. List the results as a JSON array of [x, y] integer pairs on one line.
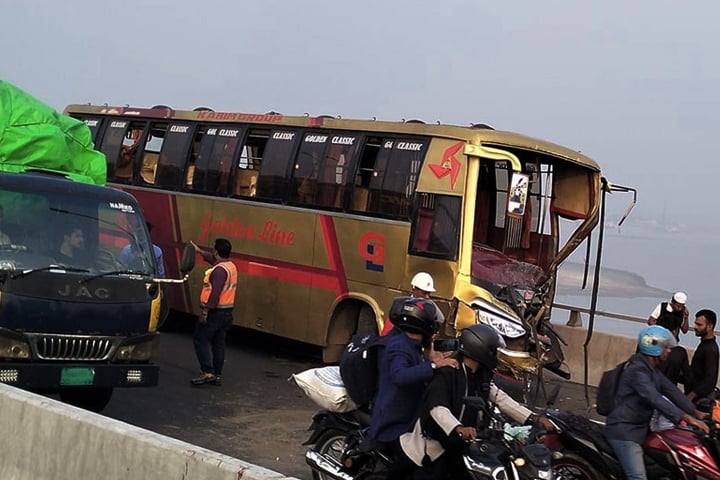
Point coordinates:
[[187, 262], [517, 196]]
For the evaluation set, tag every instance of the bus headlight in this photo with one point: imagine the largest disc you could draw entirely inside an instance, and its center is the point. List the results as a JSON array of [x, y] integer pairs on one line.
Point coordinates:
[[140, 351], [14, 348], [504, 326]]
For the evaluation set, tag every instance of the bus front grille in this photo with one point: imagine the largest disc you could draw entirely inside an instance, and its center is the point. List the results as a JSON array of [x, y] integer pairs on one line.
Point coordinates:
[[73, 347]]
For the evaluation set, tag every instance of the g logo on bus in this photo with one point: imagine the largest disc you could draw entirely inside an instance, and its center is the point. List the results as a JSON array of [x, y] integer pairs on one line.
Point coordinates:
[[372, 248]]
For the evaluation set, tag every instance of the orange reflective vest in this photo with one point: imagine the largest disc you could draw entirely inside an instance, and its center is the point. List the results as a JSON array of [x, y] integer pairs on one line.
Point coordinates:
[[227, 295]]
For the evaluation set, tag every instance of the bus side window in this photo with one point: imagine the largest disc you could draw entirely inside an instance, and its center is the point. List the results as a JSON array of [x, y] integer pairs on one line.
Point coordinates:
[[364, 173], [174, 152], [213, 165], [395, 176], [117, 144], [306, 171], [248, 167], [334, 169], [436, 226], [194, 154], [272, 184], [151, 153]]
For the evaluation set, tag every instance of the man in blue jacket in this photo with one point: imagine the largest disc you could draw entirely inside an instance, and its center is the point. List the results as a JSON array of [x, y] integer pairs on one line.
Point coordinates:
[[404, 372], [642, 389]]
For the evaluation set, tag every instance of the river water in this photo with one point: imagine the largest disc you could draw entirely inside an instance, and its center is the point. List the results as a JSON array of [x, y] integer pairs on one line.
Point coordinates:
[[666, 261]]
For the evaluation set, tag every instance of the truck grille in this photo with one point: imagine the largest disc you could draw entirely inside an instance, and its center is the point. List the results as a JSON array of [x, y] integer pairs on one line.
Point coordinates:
[[73, 347]]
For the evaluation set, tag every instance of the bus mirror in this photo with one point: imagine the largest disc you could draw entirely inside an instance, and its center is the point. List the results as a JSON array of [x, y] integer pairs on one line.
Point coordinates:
[[517, 197], [187, 262]]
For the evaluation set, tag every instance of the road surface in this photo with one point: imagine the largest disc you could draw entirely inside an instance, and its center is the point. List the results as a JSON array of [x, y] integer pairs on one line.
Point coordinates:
[[257, 415]]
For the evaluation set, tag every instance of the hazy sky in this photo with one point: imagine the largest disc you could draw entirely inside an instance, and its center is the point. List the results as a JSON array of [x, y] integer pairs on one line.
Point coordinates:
[[632, 84]]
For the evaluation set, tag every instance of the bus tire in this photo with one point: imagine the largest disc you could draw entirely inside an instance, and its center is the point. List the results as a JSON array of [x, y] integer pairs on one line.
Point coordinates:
[[349, 319], [367, 322], [94, 399]]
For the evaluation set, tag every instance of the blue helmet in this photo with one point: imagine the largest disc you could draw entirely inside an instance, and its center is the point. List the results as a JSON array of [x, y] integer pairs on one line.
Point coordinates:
[[652, 340]]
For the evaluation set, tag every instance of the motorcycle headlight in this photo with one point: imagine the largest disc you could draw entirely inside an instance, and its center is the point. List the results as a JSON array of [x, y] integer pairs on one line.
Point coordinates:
[[504, 326], [140, 351]]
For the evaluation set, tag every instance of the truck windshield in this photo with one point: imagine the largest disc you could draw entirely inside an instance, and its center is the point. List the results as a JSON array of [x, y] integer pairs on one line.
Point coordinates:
[[84, 233]]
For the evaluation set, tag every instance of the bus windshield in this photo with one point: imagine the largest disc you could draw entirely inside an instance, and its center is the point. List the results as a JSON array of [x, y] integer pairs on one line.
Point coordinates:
[[57, 228]]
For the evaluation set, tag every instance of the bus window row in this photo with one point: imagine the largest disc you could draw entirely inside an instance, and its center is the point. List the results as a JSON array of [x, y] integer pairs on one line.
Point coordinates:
[[335, 170]]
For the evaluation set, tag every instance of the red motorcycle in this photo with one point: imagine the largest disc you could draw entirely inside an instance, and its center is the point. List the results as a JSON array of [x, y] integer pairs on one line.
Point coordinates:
[[673, 454]]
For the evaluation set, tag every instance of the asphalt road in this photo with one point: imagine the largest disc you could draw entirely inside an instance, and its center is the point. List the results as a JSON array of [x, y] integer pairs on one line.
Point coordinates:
[[257, 415]]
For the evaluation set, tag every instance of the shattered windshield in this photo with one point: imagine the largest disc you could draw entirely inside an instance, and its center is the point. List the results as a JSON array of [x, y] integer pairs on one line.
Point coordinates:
[[83, 233], [495, 270]]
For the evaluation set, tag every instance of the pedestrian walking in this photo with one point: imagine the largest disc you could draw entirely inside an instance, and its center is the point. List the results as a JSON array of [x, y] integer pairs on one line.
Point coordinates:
[[217, 299]]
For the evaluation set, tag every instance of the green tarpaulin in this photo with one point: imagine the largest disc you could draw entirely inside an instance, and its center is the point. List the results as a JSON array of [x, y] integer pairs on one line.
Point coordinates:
[[33, 135]]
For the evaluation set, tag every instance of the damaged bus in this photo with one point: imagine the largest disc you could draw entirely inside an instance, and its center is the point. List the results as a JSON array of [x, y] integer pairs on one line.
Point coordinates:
[[330, 218]]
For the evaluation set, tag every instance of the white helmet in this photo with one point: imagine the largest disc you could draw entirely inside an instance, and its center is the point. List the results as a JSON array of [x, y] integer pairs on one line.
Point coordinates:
[[423, 281]]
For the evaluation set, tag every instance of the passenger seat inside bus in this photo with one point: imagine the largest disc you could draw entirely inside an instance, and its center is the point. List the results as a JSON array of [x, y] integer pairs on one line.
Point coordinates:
[[245, 183]]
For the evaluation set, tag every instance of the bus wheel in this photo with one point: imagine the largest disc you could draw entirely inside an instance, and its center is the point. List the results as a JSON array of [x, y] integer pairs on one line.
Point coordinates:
[[367, 323], [93, 399]]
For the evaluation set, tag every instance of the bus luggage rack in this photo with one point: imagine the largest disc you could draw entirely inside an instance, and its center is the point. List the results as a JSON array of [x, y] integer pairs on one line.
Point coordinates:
[[72, 347]]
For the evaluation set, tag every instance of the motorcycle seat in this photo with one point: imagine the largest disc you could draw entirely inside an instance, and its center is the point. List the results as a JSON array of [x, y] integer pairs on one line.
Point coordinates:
[[593, 430]]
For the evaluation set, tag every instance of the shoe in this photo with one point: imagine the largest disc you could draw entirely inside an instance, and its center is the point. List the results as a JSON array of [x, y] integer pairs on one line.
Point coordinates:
[[203, 379], [218, 381]]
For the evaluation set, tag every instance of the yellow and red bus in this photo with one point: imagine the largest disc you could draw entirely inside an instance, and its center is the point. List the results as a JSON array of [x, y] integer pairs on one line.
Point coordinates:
[[330, 218]]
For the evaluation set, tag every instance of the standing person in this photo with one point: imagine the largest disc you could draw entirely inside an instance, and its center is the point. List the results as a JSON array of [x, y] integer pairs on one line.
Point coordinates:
[[403, 375], [704, 365], [445, 423], [421, 286], [216, 300], [641, 390], [672, 315]]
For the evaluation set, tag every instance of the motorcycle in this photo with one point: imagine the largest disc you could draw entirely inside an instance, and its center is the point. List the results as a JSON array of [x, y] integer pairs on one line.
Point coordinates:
[[674, 453], [340, 450]]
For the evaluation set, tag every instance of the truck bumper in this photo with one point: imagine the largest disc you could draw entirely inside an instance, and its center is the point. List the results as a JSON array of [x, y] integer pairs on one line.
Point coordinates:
[[48, 376]]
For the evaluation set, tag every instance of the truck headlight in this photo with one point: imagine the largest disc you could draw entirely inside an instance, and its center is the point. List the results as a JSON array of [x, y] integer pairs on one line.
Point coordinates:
[[139, 351], [504, 326], [14, 348]]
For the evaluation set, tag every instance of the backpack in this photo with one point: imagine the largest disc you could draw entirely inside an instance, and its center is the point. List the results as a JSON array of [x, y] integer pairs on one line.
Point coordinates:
[[359, 367], [607, 389]]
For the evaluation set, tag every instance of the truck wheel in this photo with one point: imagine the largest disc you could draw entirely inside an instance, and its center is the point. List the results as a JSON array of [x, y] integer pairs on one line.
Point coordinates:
[[93, 399]]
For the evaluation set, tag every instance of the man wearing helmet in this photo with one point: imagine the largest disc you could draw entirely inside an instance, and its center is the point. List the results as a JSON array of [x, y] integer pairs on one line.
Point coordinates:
[[404, 372], [446, 423], [642, 389]]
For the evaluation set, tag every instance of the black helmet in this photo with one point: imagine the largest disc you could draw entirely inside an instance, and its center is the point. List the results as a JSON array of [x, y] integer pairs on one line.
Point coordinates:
[[417, 315], [480, 342]]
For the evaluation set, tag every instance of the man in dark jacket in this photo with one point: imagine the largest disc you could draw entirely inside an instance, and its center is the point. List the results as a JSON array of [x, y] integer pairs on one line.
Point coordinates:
[[403, 375], [704, 364], [446, 423], [643, 389]]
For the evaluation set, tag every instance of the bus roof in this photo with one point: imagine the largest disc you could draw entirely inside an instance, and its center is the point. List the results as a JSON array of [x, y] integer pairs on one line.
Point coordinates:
[[478, 134]]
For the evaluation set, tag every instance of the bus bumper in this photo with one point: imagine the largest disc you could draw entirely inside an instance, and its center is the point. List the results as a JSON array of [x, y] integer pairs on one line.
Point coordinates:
[[48, 376]]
